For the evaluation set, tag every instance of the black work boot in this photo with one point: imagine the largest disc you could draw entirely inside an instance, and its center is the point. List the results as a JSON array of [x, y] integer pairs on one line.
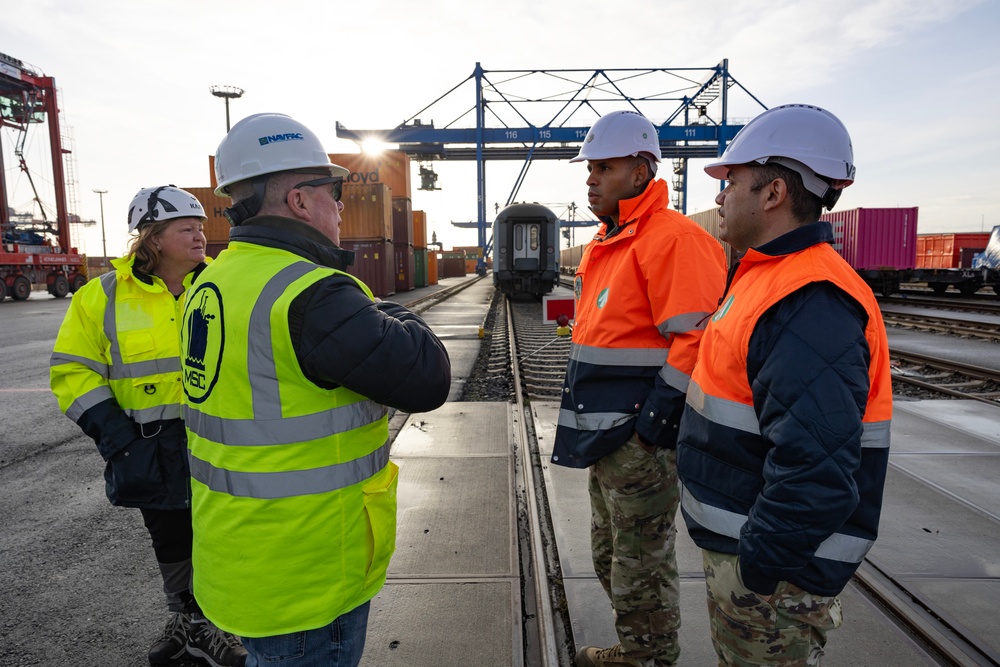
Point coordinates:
[[173, 642]]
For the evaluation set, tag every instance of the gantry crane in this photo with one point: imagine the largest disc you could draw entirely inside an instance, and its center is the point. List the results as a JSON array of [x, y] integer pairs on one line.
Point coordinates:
[[34, 251], [697, 125]]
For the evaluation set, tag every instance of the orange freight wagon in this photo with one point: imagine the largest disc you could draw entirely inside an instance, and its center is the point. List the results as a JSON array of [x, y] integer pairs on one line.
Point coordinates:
[[944, 251]]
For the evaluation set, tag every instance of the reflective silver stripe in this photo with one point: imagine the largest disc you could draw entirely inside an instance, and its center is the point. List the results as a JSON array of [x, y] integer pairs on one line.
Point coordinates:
[[839, 547], [291, 484], [287, 430], [260, 351], [137, 369], [141, 369], [875, 434], [147, 415], [593, 421], [683, 323], [619, 356], [674, 378], [110, 284], [60, 358], [742, 417], [722, 411], [88, 400]]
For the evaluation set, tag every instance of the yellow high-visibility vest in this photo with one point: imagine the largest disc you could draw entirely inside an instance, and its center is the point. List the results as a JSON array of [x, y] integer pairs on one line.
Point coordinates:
[[120, 339], [293, 493]]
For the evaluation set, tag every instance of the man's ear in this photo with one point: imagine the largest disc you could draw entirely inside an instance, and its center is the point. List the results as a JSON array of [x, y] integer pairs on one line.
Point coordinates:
[[298, 204], [776, 193], [641, 174]]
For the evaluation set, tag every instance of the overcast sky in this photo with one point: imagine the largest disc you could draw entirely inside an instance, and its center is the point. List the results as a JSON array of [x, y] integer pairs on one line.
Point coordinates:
[[917, 82]]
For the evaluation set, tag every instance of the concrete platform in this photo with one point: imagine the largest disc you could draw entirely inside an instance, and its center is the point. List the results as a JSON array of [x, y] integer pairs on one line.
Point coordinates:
[[453, 593], [456, 322], [941, 479]]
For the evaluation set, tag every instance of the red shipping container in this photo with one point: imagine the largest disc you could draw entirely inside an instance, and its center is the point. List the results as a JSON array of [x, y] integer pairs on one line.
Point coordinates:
[[944, 251], [373, 264], [875, 238], [404, 273], [402, 221]]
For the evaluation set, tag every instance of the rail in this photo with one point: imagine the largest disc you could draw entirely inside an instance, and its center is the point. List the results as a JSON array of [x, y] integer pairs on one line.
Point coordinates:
[[548, 648]]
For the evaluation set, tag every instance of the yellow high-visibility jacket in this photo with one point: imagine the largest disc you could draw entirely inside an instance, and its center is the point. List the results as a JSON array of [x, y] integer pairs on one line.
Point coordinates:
[[115, 371], [293, 493]]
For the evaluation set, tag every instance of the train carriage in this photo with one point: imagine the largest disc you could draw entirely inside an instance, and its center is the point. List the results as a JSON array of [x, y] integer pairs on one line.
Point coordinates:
[[525, 242]]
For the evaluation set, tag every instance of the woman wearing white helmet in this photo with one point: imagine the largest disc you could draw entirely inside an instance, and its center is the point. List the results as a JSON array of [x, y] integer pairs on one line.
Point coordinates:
[[116, 372]]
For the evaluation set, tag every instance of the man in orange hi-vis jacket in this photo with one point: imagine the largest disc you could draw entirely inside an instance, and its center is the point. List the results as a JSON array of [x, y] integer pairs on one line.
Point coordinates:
[[644, 290]]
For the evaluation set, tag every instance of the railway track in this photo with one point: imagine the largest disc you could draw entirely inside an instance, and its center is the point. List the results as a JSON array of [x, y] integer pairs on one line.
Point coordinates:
[[948, 378], [944, 325]]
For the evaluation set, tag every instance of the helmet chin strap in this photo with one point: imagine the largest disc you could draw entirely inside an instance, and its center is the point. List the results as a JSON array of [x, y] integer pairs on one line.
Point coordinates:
[[827, 193], [243, 210]]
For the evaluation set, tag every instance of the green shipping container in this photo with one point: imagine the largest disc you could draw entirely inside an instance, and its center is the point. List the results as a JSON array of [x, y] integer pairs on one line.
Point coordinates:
[[420, 267]]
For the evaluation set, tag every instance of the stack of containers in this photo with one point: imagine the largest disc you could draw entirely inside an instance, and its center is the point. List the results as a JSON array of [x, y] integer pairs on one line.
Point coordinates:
[[402, 242], [452, 264], [420, 249], [366, 229]]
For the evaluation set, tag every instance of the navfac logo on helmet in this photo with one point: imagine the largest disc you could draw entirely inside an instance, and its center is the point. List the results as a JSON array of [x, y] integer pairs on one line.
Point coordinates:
[[621, 134], [802, 137], [261, 145]]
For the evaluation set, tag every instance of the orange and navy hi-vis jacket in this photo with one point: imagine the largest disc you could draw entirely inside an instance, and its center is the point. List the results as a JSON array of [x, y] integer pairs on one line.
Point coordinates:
[[784, 443], [643, 296]]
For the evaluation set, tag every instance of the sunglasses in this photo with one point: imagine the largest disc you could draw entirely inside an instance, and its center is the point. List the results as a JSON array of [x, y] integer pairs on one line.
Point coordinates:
[[336, 181]]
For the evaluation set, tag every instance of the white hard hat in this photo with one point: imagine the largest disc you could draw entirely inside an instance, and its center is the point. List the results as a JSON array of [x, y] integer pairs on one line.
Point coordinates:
[[620, 134], [163, 203], [806, 138], [267, 143]]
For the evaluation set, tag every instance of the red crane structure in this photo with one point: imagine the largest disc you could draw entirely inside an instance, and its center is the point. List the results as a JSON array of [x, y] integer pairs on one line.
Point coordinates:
[[34, 252]]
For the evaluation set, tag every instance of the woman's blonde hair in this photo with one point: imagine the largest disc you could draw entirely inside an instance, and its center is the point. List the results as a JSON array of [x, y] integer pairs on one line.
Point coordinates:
[[143, 246]]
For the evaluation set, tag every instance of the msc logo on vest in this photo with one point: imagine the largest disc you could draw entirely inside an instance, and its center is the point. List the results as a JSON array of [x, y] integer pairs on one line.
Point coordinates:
[[205, 334]]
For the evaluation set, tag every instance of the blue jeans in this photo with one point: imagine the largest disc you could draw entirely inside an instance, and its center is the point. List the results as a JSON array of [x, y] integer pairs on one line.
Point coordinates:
[[338, 644]]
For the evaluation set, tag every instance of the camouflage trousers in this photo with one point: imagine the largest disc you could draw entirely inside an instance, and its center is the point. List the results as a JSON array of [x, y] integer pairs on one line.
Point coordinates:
[[633, 500], [787, 631]]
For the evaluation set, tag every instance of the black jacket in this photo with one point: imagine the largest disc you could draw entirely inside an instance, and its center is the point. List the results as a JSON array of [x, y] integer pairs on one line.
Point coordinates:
[[380, 350]]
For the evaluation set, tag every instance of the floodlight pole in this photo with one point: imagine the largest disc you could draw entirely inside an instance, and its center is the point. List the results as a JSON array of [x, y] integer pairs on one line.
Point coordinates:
[[227, 93], [104, 240]]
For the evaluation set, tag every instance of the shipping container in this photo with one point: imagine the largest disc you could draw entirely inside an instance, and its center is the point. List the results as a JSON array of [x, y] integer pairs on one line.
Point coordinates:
[[944, 251], [470, 251], [216, 226], [569, 259], [432, 267], [966, 256], [402, 221], [403, 273], [367, 212], [876, 239], [419, 229], [420, 267], [451, 267], [373, 264], [391, 168]]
